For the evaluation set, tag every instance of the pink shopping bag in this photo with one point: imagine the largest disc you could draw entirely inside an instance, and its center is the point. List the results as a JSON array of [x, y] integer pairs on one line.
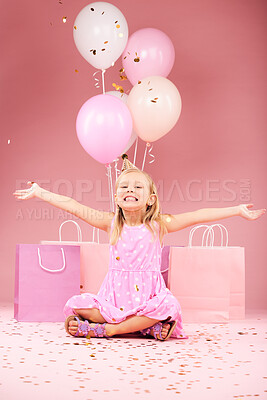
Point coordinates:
[[45, 278], [208, 281], [94, 259]]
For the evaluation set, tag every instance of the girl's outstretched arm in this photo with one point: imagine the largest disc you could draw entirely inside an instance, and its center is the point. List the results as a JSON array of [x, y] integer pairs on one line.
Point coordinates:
[[99, 219], [179, 221]]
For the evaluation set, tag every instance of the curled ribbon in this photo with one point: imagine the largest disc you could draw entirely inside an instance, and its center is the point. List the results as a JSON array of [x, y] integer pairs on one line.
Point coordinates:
[[97, 84], [151, 155]]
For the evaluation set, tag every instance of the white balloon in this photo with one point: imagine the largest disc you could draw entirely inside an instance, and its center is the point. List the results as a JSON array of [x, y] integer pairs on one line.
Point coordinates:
[[124, 98], [100, 34]]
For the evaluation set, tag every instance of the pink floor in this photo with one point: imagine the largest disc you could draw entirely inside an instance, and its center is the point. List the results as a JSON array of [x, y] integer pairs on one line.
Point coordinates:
[[218, 362]]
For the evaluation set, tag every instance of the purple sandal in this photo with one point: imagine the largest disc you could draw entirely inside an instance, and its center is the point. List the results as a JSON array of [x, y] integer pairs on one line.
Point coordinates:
[[157, 330], [84, 328]]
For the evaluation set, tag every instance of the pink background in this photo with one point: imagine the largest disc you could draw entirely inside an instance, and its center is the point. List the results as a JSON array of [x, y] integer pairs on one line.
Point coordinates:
[[215, 155]]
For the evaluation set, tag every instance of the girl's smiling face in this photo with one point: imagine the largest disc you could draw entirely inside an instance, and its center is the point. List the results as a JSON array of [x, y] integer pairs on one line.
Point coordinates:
[[133, 192]]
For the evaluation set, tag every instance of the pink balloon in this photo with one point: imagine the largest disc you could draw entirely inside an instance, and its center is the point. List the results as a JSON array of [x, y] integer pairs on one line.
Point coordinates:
[[149, 52], [104, 126]]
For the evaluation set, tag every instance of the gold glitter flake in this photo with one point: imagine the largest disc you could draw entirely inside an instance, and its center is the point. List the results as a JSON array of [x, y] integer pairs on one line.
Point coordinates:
[[139, 82], [136, 288], [117, 258], [106, 42], [64, 19], [136, 59], [121, 70], [75, 27], [118, 26], [117, 87]]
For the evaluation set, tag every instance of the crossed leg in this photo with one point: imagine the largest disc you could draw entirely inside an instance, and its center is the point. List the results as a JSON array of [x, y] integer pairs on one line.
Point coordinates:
[[130, 324]]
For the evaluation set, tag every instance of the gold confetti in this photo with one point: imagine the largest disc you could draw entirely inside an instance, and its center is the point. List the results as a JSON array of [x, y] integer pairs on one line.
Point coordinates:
[[117, 258], [123, 77], [122, 70], [103, 49], [81, 285], [136, 288], [136, 59], [139, 82], [118, 26], [117, 87], [153, 101], [64, 19], [106, 42], [75, 27]]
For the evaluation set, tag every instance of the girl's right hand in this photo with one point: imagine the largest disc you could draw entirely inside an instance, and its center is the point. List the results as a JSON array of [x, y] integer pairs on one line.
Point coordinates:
[[30, 193]]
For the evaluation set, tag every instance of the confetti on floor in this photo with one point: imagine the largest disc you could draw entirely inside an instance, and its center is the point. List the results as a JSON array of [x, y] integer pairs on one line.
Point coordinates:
[[218, 361]]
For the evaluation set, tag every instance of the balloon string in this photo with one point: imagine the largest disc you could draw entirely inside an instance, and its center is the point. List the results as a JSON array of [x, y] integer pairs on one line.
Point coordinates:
[[110, 187], [135, 149], [107, 173], [103, 80], [144, 159], [117, 171]]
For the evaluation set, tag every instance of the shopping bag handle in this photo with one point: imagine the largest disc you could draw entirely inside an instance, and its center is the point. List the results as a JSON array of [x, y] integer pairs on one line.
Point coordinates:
[[52, 270], [192, 231], [77, 226], [210, 234], [79, 231]]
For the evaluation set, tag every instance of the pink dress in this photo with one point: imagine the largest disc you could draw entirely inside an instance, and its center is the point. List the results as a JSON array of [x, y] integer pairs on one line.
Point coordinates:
[[134, 284]]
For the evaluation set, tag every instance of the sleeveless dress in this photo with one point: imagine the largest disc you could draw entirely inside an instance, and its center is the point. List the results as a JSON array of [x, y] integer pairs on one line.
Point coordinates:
[[134, 284]]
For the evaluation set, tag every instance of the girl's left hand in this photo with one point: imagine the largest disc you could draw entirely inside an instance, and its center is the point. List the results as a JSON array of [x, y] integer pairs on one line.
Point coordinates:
[[250, 214]]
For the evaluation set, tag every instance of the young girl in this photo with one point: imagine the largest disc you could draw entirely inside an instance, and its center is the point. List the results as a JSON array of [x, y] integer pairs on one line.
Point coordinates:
[[133, 296]]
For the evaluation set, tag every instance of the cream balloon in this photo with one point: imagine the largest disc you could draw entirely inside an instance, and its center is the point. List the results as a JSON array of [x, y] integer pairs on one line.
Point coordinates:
[[155, 105], [100, 34], [124, 98]]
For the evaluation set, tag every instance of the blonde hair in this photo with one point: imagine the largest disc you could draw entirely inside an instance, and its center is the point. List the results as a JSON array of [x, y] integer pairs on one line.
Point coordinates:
[[152, 212]]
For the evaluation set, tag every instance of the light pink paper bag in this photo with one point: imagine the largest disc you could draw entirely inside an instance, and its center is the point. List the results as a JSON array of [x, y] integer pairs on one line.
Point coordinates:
[[45, 278], [208, 281], [94, 259]]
